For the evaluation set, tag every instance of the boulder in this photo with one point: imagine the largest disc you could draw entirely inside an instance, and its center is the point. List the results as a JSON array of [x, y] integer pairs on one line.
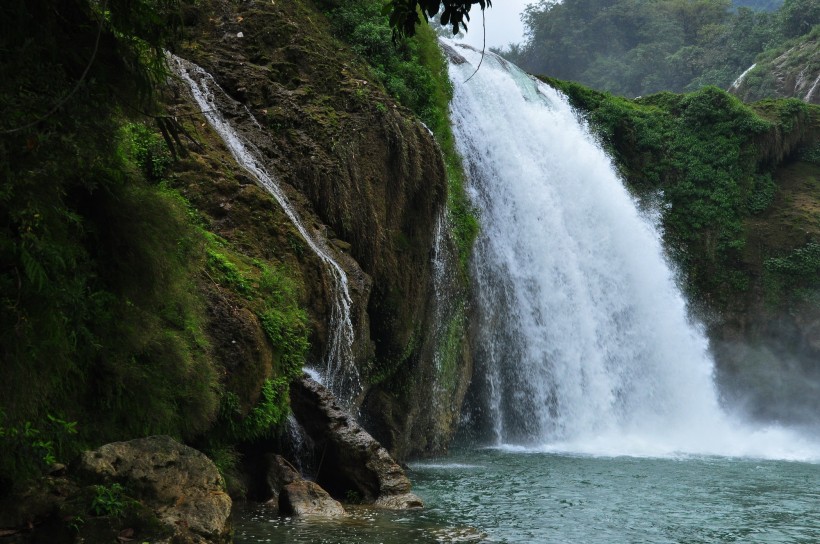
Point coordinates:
[[305, 498], [279, 474], [179, 484], [352, 461], [292, 495], [403, 501]]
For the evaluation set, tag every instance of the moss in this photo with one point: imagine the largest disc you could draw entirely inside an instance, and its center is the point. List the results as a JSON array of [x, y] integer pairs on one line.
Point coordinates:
[[795, 275], [449, 349], [226, 273], [382, 370]]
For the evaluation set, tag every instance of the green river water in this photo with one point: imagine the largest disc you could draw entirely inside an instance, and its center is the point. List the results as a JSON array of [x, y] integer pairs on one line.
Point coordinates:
[[491, 495]]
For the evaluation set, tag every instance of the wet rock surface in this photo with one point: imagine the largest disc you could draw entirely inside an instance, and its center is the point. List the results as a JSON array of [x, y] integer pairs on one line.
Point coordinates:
[[304, 498], [368, 179], [352, 461]]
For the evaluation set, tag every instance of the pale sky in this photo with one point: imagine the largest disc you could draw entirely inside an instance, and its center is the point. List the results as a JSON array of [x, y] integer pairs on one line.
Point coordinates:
[[503, 22]]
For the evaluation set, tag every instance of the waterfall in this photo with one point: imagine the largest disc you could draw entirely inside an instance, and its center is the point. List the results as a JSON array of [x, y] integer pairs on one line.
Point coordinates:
[[736, 83], [338, 369], [580, 333]]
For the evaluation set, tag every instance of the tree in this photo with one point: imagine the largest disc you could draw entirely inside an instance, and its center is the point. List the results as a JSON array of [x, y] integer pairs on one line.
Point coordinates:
[[404, 14], [798, 17]]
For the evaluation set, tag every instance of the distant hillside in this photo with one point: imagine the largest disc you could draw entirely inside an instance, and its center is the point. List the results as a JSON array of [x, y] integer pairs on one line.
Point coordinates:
[[638, 47], [791, 70], [758, 5]]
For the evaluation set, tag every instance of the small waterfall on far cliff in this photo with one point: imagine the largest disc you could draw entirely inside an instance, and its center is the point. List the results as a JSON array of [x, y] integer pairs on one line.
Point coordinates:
[[582, 336], [338, 370]]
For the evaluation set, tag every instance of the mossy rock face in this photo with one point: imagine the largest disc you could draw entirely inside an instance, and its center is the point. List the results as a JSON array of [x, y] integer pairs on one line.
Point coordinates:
[[178, 484], [362, 172], [147, 490]]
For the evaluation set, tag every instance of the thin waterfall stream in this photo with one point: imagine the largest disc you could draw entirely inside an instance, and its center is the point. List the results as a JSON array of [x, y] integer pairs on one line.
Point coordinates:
[[338, 371]]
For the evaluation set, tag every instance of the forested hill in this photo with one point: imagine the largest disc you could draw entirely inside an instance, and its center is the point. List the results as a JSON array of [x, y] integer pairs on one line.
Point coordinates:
[[637, 47], [790, 70]]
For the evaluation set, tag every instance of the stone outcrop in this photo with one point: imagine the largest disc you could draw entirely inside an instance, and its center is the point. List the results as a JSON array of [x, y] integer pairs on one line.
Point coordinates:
[[292, 495], [180, 484], [305, 498], [351, 460]]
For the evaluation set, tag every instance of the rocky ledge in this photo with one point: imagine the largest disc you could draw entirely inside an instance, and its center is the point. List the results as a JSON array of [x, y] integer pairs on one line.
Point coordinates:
[[352, 463]]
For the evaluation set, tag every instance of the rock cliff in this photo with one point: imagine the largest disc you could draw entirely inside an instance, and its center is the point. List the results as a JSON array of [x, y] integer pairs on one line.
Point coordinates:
[[369, 180]]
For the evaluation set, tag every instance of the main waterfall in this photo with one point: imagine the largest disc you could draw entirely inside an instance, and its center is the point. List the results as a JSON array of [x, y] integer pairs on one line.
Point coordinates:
[[581, 333]]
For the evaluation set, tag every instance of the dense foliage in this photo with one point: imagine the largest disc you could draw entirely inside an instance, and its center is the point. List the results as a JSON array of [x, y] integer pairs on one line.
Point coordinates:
[[637, 47], [74, 276], [103, 322], [404, 14]]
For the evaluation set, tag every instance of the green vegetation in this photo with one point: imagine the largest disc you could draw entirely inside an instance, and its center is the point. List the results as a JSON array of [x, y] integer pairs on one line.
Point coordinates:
[[414, 71], [108, 500], [794, 276], [111, 285], [637, 47], [404, 14], [449, 348], [104, 280], [29, 450], [262, 421], [709, 159], [799, 55]]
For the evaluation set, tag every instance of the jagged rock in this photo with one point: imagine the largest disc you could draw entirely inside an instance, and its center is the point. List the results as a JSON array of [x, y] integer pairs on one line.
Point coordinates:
[[180, 484], [280, 473], [351, 460], [292, 495]]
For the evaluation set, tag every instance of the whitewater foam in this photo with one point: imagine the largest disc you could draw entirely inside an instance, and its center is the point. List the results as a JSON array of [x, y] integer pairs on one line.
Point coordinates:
[[582, 334]]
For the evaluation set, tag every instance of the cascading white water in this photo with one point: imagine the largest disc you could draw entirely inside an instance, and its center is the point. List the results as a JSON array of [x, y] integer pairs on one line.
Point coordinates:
[[582, 334], [736, 83], [339, 372]]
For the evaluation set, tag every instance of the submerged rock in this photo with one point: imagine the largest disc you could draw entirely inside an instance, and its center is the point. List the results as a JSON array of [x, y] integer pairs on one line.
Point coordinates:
[[352, 460]]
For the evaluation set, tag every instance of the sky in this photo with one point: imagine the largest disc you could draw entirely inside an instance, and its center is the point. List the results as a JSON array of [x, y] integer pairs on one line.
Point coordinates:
[[503, 22]]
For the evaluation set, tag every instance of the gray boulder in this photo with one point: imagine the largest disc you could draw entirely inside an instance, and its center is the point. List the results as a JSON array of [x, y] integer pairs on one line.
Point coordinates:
[[305, 498], [292, 495], [178, 483]]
